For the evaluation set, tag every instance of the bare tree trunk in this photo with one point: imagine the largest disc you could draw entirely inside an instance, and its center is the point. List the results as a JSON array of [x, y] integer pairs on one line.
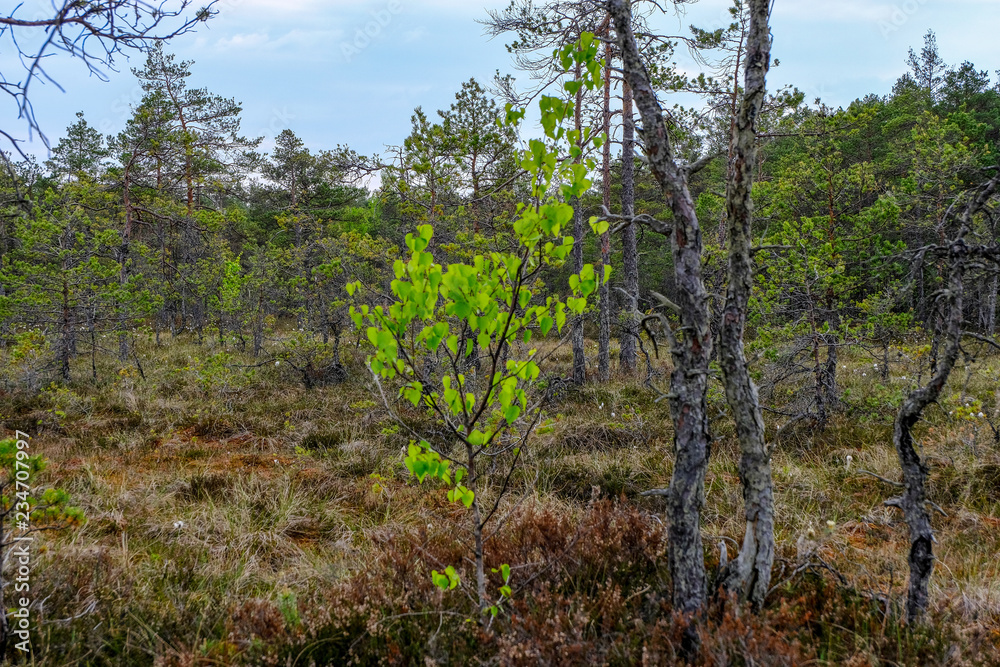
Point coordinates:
[[816, 337], [604, 316], [830, 391], [749, 574], [66, 341], [913, 500], [579, 354], [92, 329], [990, 323], [123, 265], [691, 346], [734, 102], [630, 248], [259, 324]]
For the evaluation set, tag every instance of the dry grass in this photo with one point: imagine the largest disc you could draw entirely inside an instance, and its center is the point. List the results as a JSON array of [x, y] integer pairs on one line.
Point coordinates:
[[233, 519]]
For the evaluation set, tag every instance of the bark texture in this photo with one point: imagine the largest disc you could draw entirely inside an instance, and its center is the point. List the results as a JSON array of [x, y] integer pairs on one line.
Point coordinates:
[[914, 498], [749, 574], [990, 316], [604, 316], [579, 354], [630, 247], [691, 345]]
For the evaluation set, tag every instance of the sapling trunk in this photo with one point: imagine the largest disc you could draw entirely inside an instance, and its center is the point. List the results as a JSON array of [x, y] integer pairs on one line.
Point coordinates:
[[477, 533]]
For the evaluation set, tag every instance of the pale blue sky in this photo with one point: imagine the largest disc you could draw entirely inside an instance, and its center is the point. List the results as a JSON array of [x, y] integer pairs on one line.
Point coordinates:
[[301, 63]]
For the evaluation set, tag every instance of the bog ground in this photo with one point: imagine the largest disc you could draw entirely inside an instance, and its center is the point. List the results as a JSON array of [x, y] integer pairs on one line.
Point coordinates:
[[238, 518]]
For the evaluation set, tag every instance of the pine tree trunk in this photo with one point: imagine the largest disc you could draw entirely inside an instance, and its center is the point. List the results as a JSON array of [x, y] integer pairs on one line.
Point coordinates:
[[604, 331], [691, 348], [66, 342], [630, 248], [579, 354], [914, 498], [750, 573], [123, 267], [990, 323]]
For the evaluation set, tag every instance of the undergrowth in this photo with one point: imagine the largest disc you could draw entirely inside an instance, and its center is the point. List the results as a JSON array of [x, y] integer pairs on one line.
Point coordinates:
[[236, 517]]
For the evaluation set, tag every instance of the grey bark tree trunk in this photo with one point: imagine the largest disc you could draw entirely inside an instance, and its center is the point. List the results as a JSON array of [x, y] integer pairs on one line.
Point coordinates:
[[123, 261], [66, 332], [630, 248], [990, 323], [913, 500], [579, 354], [691, 346], [749, 574], [604, 315]]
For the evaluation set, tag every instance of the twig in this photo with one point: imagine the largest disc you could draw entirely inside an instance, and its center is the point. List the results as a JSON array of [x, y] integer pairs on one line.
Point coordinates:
[[898, 485]]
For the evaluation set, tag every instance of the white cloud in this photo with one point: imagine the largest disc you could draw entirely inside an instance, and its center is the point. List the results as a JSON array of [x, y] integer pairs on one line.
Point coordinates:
[[415, 35], [306, 39], [243, 41]]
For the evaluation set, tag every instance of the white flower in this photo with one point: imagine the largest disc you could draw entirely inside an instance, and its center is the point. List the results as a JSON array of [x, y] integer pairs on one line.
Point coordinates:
[[277, 363], [904, 377], [277, 462], [612, 414], [178, 525], [849, 459], [831, 524], [864, 375], [980, 415]]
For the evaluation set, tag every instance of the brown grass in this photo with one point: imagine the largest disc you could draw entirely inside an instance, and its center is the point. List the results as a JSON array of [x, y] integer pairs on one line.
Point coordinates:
[[241, 524]]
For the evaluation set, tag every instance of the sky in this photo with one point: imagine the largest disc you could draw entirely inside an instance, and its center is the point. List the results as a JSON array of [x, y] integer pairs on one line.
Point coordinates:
[[347, 72]]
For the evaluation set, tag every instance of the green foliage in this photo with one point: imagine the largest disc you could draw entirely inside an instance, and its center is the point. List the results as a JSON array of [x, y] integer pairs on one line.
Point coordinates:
[[486, 307], [446, 580]]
